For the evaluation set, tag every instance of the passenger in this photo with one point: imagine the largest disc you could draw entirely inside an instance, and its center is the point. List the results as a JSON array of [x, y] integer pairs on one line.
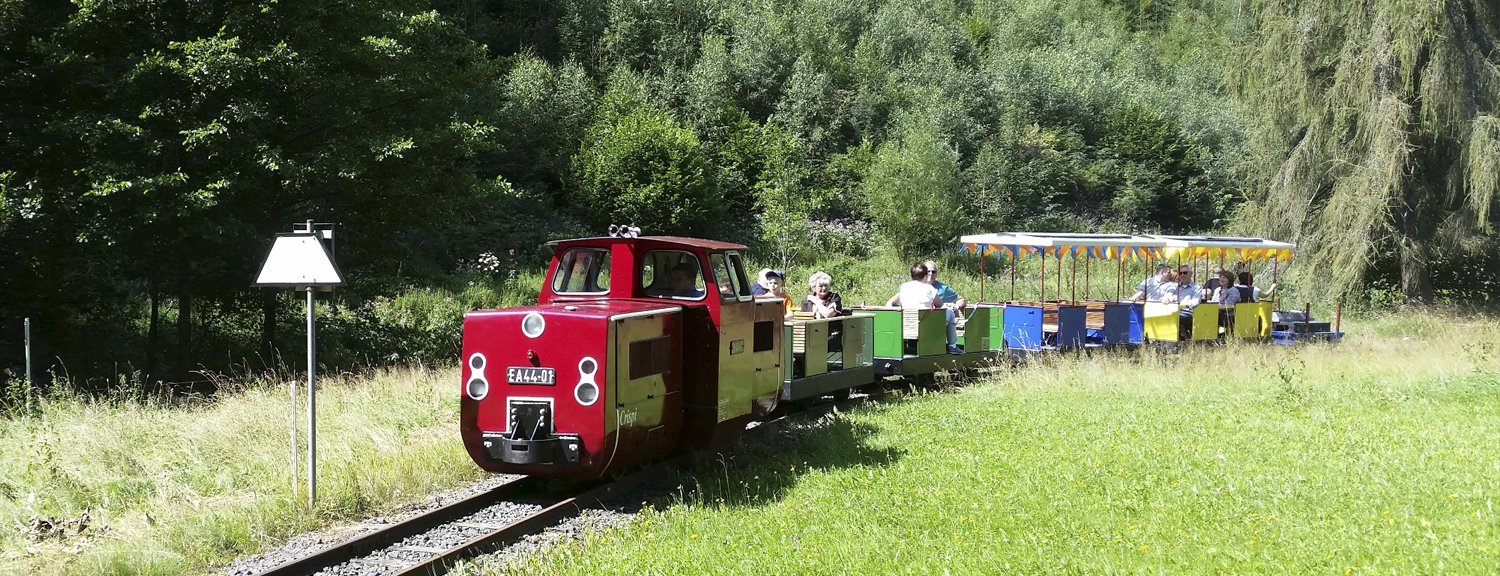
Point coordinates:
[[683, 279], [952, 302], [916, 294], [1248, 291], [774, 283], [1226, 294], [759, 288], [820, 300], [1187, 294], [1213, 281], [1157, 288]]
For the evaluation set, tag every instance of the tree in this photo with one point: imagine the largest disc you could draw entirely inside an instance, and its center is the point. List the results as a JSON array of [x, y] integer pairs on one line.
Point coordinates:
[[638, 166], [1379, 128], [912, 192]]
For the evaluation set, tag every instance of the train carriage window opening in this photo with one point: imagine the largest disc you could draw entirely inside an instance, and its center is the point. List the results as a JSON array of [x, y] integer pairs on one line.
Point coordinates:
[[723, 278], [672, 274], [582, 271], [743, 281]]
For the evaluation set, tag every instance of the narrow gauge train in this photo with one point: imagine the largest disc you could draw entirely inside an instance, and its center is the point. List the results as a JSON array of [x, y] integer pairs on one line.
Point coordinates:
[[640, 346]]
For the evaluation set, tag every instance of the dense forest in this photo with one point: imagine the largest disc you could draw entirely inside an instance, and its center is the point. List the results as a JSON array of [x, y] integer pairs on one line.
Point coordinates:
[[149, 149]]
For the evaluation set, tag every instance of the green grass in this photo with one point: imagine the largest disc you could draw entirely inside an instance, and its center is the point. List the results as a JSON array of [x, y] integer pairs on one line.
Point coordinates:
[[172, 489], [1375, 456]]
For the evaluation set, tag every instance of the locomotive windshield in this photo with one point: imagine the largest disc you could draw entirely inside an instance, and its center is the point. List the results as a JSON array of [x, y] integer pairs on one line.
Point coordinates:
[[582, 271], [672, 274]]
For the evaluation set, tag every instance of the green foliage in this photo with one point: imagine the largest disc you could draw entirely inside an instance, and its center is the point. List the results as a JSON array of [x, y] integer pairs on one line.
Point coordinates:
[[912, 193], [638, 166], [1371, 119]]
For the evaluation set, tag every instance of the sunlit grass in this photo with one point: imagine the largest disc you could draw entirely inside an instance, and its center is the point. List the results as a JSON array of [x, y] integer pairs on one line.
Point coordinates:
[[171, 489], [1375, 456]]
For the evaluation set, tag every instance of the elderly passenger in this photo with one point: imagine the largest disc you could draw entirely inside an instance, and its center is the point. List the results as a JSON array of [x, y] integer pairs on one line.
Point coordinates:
[[821, 300]]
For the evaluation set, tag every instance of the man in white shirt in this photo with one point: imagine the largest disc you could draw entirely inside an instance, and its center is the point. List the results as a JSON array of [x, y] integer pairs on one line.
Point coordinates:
[[916, 294], [1187, 294], [1156, 288]]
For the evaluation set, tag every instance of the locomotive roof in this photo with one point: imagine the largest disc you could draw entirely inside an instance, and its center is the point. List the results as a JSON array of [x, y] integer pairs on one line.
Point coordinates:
[[679, 240]]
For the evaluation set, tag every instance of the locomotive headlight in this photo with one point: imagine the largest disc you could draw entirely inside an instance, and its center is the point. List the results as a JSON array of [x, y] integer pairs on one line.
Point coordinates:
[[477, 387], [587, 392], [533, 325]]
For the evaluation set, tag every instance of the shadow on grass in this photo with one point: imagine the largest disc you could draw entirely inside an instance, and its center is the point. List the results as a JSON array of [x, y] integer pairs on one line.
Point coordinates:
[[770, 459]]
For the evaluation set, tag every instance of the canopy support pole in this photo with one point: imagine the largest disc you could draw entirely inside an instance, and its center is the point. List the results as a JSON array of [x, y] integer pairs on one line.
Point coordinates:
[[981, 274], [1044, 277], [1015, 260], [1073, 285]]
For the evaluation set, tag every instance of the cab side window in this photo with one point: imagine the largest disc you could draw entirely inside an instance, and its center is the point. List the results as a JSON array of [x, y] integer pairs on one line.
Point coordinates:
[[582, 271], [723, 278], [672, 274], [739, 274]]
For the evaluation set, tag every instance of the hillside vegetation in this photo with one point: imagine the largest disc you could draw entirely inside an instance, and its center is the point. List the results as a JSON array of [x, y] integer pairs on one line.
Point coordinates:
[[143, 174]]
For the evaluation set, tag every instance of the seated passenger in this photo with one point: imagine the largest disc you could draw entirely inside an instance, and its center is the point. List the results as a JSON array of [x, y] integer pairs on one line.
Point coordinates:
[[1213, 281], [821, 301], [916, 294], [1156, 288], [1247, 286], [683, 280], [1225, 294], [1187, 294], [952, 302], [774, 284], [761, 287]]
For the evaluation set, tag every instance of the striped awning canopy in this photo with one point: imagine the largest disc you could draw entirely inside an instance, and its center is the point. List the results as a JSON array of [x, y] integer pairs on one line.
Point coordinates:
[[1027, 244], [1226, 247]]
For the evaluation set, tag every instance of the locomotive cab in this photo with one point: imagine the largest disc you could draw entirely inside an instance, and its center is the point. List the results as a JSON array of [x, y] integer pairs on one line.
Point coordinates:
[[637, 347]]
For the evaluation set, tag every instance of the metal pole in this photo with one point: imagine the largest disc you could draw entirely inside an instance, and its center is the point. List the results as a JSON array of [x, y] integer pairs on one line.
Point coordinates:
[[1014, 262], [30, 390], [312, 404], [292, 388], [1044, 277], [981, 275]]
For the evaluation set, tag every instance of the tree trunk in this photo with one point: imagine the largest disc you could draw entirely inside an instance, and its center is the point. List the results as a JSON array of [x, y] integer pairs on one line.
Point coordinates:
[[154, 329], [184, 322]]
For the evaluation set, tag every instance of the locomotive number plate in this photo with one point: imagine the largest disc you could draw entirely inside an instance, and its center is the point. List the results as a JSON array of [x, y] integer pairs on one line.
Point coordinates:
[[529, 375]]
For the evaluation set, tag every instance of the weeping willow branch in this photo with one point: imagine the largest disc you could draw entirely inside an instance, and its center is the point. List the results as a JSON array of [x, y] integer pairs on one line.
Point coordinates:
[[1391, 106]]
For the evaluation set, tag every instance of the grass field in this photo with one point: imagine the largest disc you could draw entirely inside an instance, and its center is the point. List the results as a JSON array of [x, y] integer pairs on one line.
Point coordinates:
[[1378, 456], [171, 489]]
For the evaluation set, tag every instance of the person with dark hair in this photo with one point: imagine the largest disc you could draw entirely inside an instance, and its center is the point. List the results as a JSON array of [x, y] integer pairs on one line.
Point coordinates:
[[683, 279], [1248, 291], [951, 301], [1226, 294], [916, 294]]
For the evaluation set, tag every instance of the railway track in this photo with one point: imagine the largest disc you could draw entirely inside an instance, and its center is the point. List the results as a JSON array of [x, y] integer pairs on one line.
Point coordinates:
[[434, 541]]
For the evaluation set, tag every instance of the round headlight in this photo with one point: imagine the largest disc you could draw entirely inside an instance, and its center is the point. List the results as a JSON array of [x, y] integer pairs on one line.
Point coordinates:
[[533, 325], [587, 366], [586, 393], [476, 362], [477, 388]]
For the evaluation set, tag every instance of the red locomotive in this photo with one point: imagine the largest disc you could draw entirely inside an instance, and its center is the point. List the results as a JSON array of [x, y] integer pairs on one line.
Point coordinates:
[[639, 346]]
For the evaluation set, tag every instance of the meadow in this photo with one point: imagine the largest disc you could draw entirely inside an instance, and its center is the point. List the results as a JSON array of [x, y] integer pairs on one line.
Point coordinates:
[[1374, 456], [172, 488]]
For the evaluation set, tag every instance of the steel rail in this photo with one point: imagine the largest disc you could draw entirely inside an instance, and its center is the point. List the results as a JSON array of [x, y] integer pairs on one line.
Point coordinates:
[[442, 560], [567, 508], [390, 535]]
